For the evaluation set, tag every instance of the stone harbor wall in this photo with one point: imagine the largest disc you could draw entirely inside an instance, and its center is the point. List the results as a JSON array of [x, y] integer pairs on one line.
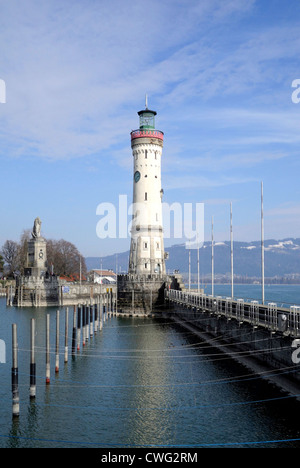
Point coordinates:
[[52, 292], [143, 294]]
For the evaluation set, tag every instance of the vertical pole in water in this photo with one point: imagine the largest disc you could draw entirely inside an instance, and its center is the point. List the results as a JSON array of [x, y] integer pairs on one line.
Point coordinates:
[[132, 296], [101, 312], [57, 343], [87, 316], [212, 259], [74, 332], [231, 252], [262, 245], [66, 335], [91, 320], [79, 310], [32, 391], [15, 374], [112, 302], [96, 316], [48, 349], [104, 308], [83, 325]]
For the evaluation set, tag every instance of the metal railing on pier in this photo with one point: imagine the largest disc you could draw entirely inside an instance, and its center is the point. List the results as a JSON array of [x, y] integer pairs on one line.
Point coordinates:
[[269, 316]]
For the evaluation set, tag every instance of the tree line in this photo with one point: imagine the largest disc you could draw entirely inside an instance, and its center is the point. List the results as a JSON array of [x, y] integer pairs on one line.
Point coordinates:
[[63, 257]]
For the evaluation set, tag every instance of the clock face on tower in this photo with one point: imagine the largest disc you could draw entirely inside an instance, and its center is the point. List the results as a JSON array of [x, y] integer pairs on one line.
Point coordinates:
[[137, 176]]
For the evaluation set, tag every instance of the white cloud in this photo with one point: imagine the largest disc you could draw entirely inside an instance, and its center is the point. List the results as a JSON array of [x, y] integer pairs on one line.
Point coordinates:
[[188, 181], [73, 69], [289, 209]]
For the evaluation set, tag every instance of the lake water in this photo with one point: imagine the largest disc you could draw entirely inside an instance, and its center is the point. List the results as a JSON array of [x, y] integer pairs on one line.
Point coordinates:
[[140, 382], [283, 295]]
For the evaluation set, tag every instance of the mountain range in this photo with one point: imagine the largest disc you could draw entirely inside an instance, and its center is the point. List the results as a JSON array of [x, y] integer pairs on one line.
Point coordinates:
[[282, 259]]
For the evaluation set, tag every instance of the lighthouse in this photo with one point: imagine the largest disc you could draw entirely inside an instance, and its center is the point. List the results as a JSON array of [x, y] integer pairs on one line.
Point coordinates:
[[147, 255]]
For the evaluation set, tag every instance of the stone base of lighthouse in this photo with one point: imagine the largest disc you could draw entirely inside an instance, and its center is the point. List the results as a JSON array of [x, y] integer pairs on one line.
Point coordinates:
[[143, 294]]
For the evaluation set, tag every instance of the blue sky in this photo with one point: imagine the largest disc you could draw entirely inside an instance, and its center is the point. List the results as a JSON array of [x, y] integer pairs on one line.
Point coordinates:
[[219, 74]]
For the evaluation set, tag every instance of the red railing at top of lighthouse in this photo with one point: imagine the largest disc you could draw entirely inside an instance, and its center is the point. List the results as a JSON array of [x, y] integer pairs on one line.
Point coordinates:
[[147, 134]]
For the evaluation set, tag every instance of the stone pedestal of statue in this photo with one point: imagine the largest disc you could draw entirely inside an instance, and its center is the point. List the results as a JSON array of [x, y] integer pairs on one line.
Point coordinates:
[[36, 253], [36, 257]]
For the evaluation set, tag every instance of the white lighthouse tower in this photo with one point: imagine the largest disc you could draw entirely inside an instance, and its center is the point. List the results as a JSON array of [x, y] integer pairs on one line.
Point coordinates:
[[147, 255]]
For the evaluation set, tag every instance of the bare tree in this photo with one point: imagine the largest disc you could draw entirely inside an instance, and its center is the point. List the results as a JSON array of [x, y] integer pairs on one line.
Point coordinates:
[[10, 253], [65, 258], [23, 249]]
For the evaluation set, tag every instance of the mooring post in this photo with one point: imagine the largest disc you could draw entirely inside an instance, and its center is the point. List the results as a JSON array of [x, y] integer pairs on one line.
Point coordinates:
[[57, 343], [91, 320], [78, 326], [96, 316], [66, 334], [83, 325], [101, 312], [15, 374], [32, 391], [109, 304], [87, 315], [74, 332], [48, 349], [104, 308], [132, 301]]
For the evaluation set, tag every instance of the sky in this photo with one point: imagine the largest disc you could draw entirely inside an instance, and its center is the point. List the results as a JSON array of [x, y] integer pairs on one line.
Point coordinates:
[[218, 73]]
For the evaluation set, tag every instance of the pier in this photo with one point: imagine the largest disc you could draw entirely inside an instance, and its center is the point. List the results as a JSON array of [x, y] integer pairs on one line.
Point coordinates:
[[266, 333]]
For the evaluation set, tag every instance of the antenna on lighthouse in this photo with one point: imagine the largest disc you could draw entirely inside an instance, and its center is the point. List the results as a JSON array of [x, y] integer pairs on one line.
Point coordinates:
[[146, 101]]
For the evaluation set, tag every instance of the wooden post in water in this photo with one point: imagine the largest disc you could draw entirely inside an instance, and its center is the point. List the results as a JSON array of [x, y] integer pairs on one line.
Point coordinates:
[[48, 349], [101, 312], [91, 320], [66, 334], [96, 316], [87, 315], [108, 306], [79, 309], [104, 308], [132, 303], [83, 324], [111, 303], [15, 374], [32, 391], [74, 332], [57, 343]]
